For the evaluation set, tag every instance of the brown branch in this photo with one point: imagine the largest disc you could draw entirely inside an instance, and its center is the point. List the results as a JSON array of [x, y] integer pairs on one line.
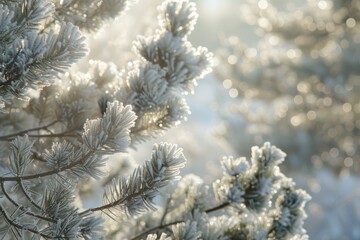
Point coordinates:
[[167, 205], [113, 204], [52, 135], [154, 229], [6, 137], [162, 226], [12, 223], [22, 187], [217, 207], [48, 173], [23, 208], [36, 156]]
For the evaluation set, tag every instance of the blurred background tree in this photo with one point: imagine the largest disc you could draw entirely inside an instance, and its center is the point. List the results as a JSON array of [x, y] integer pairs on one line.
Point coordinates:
[[295, 81], [299, 86]]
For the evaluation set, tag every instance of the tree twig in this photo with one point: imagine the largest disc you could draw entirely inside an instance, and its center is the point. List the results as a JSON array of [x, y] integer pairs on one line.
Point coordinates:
[[217, 207], [154, 229], [18, 226], [48, 173], [9, 136], [22, 187], [162, 226], [52, 135], [22, 208]]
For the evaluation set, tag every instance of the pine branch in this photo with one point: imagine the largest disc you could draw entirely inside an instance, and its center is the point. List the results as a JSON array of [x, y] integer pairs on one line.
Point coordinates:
[[87, 15], [135, 194], [166, 209], [35, 60], [115, 203], [25, 192], [26, 211], [162, 226], [10, 136], [154, 229], [18, 226], [109, 134], [53, 135], [48, 173], [216, 208]]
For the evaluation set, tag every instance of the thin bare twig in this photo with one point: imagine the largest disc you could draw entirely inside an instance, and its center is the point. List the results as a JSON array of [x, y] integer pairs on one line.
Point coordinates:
[[48, 173], [22, 208], [22, 187], [162, 226], [10, 136], [18, 226]]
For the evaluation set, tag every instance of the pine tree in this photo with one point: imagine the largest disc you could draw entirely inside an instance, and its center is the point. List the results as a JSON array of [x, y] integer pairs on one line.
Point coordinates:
[[57, 131]]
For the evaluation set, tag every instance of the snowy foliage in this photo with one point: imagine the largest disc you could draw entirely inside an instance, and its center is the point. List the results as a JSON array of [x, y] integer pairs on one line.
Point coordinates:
[[30, 59], [88, 15], [257, 203], [62, 137]]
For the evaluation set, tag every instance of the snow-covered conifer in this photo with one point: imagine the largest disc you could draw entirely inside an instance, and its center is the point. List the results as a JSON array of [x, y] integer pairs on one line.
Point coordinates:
[[62, 136]]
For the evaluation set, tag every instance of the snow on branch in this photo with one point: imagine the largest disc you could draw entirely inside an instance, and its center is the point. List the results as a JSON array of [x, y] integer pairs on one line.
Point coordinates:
[[255, 201], [30, 59], [89, 15], [110, 134], [169, 68], [136, 193]]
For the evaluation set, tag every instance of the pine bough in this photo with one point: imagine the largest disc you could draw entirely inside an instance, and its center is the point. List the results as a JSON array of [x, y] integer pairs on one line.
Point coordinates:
[[62, 137], [254, 200]]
